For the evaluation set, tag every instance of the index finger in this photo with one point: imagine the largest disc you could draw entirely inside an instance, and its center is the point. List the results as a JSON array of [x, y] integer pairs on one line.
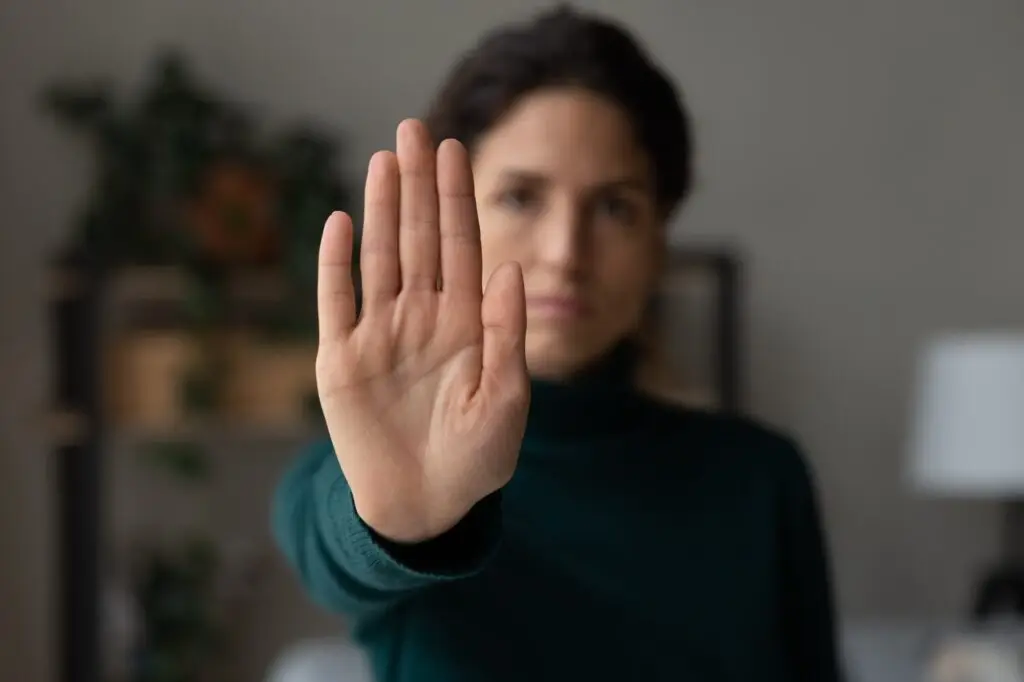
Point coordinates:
[[336, 303]]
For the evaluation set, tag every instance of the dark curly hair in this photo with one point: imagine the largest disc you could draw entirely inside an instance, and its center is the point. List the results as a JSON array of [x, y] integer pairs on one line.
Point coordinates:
[[564, 47]]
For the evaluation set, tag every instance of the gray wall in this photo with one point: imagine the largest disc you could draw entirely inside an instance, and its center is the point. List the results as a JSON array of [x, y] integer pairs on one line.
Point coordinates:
[[867, 156]]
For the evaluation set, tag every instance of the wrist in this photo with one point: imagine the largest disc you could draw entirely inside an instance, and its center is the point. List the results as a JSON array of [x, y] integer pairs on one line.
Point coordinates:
[[404, 525]]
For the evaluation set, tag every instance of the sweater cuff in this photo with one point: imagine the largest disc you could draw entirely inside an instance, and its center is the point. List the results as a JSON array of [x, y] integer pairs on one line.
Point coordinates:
[[391, 566]]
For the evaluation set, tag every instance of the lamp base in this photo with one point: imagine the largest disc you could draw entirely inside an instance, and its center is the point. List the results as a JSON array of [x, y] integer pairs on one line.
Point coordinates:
[[1001, 594]]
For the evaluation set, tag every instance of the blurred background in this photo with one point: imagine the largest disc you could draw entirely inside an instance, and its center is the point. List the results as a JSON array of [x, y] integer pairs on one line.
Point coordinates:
[[861, 163]]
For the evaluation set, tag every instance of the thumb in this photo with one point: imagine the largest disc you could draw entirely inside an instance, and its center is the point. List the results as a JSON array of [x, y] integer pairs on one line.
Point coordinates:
[[503, 315]]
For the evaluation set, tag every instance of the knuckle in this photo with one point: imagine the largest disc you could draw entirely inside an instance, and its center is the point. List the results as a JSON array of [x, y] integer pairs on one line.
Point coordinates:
[[330, 365], [419, 281], [324, 362], [420, 221]]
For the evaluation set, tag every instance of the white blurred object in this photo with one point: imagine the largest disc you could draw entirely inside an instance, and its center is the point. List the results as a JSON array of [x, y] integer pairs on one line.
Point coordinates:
[[122, 629], [968, 429], [873, 651], [976, 660], [324, 660]]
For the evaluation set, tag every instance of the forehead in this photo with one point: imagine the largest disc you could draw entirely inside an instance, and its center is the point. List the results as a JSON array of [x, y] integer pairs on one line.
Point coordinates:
[[568, 135]]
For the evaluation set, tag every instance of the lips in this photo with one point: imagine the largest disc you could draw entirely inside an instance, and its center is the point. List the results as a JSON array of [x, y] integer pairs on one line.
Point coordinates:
[[556, 306]]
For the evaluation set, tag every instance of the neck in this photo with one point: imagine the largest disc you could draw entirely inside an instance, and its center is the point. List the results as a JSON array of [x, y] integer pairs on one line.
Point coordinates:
[[599, 400]]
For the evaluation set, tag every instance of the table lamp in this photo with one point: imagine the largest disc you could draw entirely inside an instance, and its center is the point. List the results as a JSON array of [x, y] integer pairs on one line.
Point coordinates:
[[967, 441]]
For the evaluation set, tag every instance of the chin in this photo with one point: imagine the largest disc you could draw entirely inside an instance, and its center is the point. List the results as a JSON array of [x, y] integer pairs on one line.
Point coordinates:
[[556, 356]]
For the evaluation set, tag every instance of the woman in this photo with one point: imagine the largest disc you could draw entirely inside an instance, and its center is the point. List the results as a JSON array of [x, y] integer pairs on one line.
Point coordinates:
[[497, 500]]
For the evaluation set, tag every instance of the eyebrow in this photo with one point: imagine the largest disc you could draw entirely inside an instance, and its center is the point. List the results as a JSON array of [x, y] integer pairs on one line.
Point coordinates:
[[532, 177]]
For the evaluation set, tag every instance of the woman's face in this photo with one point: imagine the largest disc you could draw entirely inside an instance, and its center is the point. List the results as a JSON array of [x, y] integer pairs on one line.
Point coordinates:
[[564, 189]]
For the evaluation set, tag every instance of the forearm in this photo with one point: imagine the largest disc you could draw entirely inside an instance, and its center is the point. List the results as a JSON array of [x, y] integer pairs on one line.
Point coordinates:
[[344, 565]]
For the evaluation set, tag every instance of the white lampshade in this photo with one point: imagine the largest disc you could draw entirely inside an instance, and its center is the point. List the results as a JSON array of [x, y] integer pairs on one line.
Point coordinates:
[[967, 434]]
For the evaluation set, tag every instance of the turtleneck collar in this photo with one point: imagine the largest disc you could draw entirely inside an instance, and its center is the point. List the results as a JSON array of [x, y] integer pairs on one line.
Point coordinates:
[[599, 401]]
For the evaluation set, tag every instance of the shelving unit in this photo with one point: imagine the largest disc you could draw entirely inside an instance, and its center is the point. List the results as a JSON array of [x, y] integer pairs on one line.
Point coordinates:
[[82, 295], [86, 303], [76, 292]]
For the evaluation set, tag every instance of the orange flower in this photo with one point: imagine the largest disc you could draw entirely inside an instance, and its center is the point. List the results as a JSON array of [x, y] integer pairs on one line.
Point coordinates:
[[234, 218]]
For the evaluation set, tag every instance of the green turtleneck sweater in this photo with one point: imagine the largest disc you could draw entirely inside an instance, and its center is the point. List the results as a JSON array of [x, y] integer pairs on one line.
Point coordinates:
[[636, 541]]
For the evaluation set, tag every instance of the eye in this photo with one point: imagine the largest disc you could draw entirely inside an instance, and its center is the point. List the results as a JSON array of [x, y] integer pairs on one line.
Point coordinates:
[[617, 208], [519, 199]]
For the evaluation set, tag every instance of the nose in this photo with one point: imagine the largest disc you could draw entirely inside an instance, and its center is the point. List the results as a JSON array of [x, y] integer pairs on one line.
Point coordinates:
[[562, 239]]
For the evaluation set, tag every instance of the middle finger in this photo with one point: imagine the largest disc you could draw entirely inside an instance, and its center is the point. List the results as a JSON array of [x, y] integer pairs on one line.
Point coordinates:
[[418, 237]]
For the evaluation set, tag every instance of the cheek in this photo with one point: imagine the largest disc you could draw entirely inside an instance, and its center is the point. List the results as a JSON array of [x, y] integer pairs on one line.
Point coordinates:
[[628, 274], [497, 246], [628, 311], [628, 280]]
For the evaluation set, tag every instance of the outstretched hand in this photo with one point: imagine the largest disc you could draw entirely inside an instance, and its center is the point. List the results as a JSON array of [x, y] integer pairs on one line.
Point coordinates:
[[425, 394]]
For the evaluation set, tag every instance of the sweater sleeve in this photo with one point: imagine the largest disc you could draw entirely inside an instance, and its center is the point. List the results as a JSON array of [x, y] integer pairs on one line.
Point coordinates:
[[809, 612], [344, 565]]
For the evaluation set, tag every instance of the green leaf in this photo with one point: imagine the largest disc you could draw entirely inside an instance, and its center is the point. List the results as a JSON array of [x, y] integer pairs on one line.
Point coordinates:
[[184, 460], [204, 298], [80, 106]]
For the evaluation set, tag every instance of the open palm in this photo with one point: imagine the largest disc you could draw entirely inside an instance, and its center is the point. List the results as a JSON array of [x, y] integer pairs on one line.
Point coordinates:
[[425, 395]]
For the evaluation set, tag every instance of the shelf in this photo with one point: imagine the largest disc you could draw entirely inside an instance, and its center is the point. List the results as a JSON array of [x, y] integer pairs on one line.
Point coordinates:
[[219, 431], [64, 283], [66, 428], [168, 284]]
